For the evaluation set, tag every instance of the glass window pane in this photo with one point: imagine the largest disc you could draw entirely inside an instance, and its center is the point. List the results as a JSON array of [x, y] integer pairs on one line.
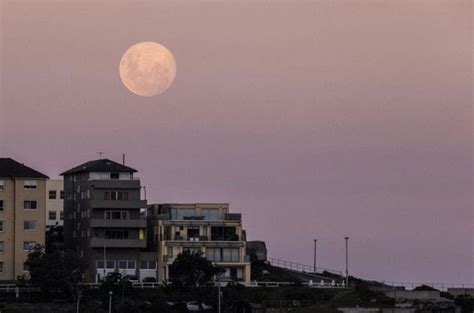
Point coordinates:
[[131, 264], [111, 264], [152, 265]]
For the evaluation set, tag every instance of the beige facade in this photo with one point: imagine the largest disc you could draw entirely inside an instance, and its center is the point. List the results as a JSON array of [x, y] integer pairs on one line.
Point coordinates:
[[54, 214], [207, 228], [22, 222]]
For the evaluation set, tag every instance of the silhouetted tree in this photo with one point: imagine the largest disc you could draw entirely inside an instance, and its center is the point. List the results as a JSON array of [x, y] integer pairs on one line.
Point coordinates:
[[192, 270], [56, 273]]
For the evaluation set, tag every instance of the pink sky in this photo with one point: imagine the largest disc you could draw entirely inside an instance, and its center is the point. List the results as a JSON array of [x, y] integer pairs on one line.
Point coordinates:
[[312, 118]]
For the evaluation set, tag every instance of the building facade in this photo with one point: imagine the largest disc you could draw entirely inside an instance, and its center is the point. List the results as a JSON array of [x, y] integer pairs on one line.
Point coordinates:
[[207, 228], [54, 202], [103, 222], [22, 212]]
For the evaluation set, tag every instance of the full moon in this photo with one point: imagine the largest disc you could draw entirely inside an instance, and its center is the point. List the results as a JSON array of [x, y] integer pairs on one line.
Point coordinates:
[[147, 69]]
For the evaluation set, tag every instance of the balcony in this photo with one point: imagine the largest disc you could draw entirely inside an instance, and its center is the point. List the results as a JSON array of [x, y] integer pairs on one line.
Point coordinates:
[[233, 217], [118, 204], [115, 184], [117, 243], [103, 223]]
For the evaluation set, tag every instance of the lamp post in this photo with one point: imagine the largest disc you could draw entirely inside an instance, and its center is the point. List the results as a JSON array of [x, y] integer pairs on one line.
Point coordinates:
[[110, 301], [219, 297], [314, 263], [105, 261], [347, 261]]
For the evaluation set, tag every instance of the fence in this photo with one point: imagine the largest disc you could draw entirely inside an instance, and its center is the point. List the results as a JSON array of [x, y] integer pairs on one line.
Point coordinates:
[[438, 286], [299, 267]]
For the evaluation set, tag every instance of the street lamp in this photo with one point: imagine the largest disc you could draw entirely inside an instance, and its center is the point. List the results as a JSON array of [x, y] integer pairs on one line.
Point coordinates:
[[347, 261], [105, 260], [110, 301], [314, 263], [218, 283]]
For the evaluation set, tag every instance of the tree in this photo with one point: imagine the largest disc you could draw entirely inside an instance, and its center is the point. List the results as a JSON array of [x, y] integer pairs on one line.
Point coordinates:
[[192, 270], [56, 273]]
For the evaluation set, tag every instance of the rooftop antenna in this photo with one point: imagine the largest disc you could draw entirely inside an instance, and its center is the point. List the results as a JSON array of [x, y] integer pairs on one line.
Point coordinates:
[[100, 154], [123, 158]]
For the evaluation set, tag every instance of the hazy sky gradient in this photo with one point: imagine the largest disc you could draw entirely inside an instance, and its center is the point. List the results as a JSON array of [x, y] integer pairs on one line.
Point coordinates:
[[313, 119]]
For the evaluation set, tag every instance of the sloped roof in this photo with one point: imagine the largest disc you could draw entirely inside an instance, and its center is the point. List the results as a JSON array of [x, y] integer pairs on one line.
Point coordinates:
[[101, 165], [12, 168]]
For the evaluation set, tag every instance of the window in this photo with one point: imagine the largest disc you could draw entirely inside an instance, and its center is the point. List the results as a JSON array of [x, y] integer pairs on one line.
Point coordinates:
[[110, 265], [116, 234], [28, 245], [213, 254], [210, 214], [61, 194], [222, 254], [147, 265], [2, 227], [192, 250], [179, 214], [30, 184], [193, 233], [116, 195], [170, 252], [29, 225], [52, 194], [123, 265], [61, 216], [2, 185], [52, 215], [100, 264], [1, 267], [29, 205], [1, 206], [2, 246], [26, 268], [114, 175], [224, 233], [116, 215], [230, 255]]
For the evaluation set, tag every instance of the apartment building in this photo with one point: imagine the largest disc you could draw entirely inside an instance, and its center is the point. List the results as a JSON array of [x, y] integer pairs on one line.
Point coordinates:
[[207, 228], [22, 212], [54, 202], [102, 219]]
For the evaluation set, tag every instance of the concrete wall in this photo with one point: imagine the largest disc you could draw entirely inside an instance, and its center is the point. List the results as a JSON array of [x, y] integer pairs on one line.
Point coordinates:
[[14, 215], [55, 205], [413, 294]]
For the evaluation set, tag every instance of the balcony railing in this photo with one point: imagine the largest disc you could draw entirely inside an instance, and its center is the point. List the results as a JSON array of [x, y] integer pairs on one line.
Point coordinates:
[[115, 184], [117, 243], [106, 223], [237, 217], [118, 204]]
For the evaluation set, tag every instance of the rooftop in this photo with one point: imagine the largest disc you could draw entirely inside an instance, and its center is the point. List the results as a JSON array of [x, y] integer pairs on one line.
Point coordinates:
[[101, 165], [12, 168]]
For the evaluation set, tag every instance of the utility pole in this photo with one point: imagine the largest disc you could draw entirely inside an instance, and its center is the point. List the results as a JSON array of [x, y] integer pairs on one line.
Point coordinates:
[[314, 263], [347, 261]]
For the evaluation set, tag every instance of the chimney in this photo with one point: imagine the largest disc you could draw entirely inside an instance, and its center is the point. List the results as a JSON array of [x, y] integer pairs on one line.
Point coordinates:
[[123, 158]]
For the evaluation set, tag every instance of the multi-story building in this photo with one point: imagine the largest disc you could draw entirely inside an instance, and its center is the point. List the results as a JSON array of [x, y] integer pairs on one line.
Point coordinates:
[[102, 219], [207, 228], [22, 212], [54, 202]]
